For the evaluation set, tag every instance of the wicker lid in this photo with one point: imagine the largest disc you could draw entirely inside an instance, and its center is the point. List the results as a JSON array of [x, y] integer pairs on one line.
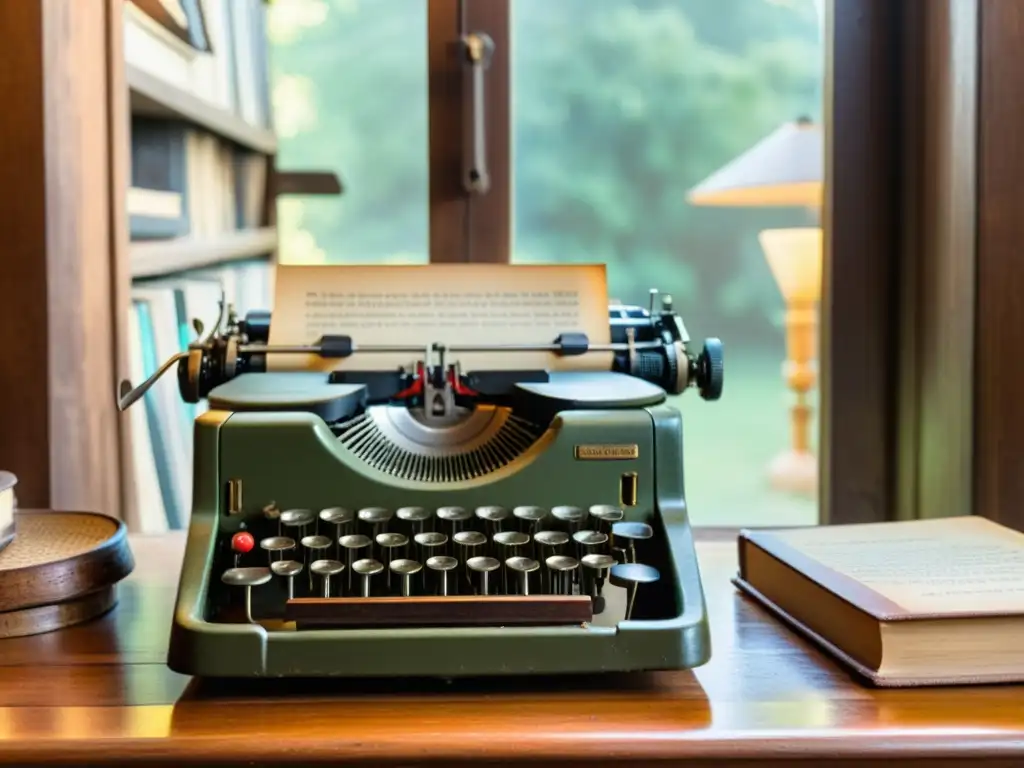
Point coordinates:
[[59, 556]]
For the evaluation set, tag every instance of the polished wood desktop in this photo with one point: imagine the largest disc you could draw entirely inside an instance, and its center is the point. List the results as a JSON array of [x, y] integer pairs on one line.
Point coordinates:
[[101, 694]]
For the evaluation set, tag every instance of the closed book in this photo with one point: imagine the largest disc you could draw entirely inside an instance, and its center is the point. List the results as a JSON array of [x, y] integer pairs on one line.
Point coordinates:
[[910, 603]]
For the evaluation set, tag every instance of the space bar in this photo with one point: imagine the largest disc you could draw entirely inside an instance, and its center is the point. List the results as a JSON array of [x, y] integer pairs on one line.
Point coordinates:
[[454, 611]]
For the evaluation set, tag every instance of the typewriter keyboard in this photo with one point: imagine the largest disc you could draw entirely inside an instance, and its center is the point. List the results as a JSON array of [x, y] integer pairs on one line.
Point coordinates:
[[449, 566]]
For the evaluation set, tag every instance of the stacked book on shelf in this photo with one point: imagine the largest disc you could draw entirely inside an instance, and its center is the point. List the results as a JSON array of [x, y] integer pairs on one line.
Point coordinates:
[[197, 211]]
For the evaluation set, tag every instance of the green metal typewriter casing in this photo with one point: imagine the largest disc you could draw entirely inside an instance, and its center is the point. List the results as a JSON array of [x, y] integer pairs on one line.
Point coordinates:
[[261, 441]]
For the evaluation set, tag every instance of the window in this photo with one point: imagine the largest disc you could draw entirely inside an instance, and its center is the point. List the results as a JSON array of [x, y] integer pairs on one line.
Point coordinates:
[[350, 96], [614, 117]]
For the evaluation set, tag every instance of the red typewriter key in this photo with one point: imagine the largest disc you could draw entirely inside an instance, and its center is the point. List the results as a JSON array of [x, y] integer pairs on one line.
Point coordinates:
[[242, 543]]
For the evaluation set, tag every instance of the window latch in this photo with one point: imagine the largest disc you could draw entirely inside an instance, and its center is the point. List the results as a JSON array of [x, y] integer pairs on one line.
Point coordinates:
[[478, 49]]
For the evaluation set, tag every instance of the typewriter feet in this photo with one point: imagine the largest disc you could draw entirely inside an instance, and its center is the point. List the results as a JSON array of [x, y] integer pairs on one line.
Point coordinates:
[[248, 578], [630, 576]]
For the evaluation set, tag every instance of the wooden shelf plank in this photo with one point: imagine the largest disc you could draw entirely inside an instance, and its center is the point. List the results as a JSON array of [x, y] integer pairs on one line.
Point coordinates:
[[151, 258], [151, 96]]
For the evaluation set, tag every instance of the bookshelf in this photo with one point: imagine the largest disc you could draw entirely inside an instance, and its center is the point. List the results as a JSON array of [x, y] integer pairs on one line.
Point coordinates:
[[140, 179]]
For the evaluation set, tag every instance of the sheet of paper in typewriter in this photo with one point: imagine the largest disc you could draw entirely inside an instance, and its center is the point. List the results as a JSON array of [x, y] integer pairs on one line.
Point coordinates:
[[468, 304]]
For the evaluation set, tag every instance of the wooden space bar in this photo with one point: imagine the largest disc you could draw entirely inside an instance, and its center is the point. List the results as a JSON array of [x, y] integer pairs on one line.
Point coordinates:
[[454, 611]]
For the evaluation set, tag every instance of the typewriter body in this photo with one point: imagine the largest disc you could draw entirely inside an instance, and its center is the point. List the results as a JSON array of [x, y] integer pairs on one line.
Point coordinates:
[[439, 522]]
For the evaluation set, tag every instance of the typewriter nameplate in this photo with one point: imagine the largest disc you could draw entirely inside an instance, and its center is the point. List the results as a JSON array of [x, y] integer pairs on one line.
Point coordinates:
[[618, 452]]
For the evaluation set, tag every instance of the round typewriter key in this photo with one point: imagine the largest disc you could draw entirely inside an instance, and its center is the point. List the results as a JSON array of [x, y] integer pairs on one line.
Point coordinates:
[[562, 573], [529, 517], [314, 546], [392, 546], [626, 534], [406, 569], [605, 514], [469, 544], [416, 517], [326, 569], [377, 518], [277, 544], [454, 519], [509, 544], [296, 518], [341, 519], [493, 519], [355, 545], [595, 571], [630, 576], [570, 517], [367, 569], [483, 567], [589, 542], [550, 543], [522, 567], [288, 569], [442, 566], [248, 578], [430, 543]]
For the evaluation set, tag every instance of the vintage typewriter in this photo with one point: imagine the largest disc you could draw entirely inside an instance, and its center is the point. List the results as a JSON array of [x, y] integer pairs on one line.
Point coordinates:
[[439, 522]]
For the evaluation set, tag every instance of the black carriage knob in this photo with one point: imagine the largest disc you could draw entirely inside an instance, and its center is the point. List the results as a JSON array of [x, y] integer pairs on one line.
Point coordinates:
[[708, 370]]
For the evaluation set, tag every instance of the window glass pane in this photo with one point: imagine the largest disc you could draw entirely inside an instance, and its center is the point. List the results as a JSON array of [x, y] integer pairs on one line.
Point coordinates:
[[617, 115], [350, 95]]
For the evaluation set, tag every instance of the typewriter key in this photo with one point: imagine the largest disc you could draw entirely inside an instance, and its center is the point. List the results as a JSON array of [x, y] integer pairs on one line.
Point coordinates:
[[392, 547], [248, 578], [570, 517], [550, 543], [483, 567], [326, 569], [278, 544], [416, 517], [606, 515], [595, 571], [296, 518], [377, 518], [469, 544], [522, 567], [289, 569], [562, 573], [630, 576], [341, 519], [367, 569], [529, 517], [624, 538], [454, 518], [589, 542], [509, 544], [355, 545], [493, 519], [442, 566], [406, 569], [314, 546]]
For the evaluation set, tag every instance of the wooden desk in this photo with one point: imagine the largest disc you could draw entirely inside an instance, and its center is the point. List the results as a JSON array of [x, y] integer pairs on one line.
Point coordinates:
[[101, 694]]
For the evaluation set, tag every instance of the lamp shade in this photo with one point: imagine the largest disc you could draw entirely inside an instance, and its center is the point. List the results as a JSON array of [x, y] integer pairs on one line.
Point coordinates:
[[794, 257], [785, 168]]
